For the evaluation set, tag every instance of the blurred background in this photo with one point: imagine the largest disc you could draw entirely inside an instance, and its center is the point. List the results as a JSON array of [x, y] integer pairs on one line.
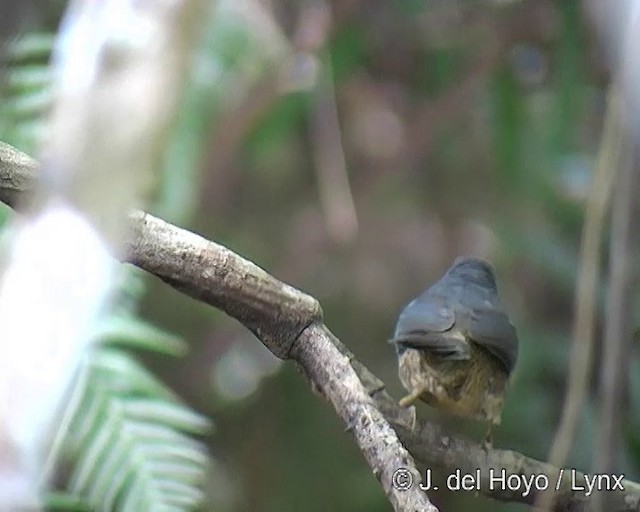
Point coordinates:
[[353, 149]]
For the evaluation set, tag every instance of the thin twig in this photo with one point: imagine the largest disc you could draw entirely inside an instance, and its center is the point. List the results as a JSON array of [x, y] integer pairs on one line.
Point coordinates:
[[625, 241], [586, 288], [331, 168]]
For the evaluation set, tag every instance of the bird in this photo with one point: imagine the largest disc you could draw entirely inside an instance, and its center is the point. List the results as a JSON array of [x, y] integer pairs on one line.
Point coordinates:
[[456, 346]]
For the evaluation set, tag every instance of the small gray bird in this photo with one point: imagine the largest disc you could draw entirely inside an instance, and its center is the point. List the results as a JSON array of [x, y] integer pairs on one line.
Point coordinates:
[[456, 346]]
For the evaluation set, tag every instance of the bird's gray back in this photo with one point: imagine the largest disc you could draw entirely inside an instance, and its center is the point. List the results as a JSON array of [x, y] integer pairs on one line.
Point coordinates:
[[473, 308]]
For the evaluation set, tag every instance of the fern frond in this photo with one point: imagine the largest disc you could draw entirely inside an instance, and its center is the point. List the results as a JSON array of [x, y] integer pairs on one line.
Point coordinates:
[[129, 440], [27, 94], [64, 502], [131, 332], [31, 46]]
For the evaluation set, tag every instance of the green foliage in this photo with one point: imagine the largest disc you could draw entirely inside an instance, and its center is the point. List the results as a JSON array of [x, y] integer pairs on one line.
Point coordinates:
[[128, 434], [127, 438], [508, 124], [65, 502], [348, 51], [570, 84], [135, 333], [27, 92]]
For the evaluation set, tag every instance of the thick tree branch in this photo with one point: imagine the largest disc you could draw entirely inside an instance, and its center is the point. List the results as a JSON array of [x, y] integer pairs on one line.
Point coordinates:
[[17, 174], [289, 323], [275, 312]]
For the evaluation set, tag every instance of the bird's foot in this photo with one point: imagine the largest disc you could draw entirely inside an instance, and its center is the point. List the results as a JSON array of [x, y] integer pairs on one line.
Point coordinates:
[[487, 442], [414, 418], [407, 402], [410, 398]]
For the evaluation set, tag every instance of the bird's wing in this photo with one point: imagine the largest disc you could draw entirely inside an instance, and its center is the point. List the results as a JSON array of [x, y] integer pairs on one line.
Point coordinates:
[[426, 325], [490, 328]]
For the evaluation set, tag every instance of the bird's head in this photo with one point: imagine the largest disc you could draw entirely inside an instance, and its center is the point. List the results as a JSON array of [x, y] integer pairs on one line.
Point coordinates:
[[473, 270]]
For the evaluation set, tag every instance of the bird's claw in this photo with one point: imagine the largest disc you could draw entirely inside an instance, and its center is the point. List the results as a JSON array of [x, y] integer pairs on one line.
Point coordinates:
[[408, 400], [487, 442]]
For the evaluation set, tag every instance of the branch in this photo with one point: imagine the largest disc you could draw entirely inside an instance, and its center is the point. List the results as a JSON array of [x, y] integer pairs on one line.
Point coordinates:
[[275, 312], [289, 323]]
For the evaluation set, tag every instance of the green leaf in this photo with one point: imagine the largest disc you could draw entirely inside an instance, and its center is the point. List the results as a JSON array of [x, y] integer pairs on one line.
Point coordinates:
[[172, 414], [60, 501], [132, 332], [129, 439]]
